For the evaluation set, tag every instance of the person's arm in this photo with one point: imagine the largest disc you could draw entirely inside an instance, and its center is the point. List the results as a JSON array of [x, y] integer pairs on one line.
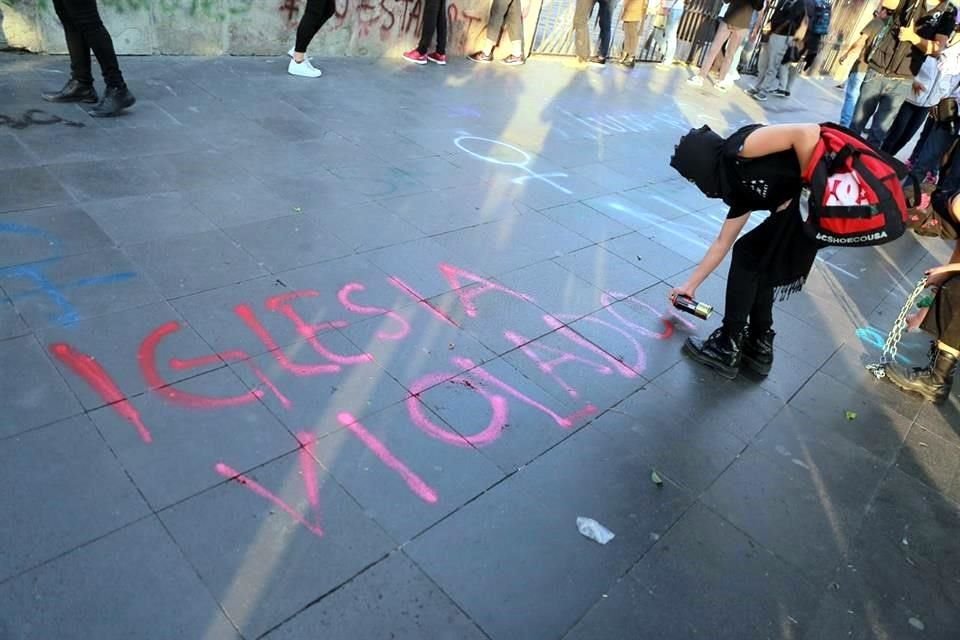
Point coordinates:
[[855, 48], [802, 138], [938, 275], [929, 47], [715, 254]]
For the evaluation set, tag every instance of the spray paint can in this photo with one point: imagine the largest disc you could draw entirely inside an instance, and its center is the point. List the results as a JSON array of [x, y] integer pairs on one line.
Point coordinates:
[[688, 305]]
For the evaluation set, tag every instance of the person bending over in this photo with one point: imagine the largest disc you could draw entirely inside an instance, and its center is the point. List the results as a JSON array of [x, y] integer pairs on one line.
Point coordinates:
[[757, 168]]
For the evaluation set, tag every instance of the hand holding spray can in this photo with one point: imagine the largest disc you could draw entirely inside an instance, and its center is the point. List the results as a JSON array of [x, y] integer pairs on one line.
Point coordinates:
[[688, 305]]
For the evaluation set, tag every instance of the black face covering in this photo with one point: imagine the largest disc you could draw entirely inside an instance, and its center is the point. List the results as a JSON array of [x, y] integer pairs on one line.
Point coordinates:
[[697, 157]]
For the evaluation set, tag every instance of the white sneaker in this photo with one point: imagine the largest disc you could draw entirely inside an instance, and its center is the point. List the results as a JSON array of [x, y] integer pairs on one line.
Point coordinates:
[[695, 81], [290, 53], [303, 69]]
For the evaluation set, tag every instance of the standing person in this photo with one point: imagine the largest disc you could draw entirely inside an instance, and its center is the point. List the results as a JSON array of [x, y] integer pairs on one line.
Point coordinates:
[[84, 31], [916, 29], [634, 13], [731, 31], [928, 89], [434, 20], [581, 29], [315, 15], [757, 168], [671, 28], [509, 13], [787, 17], [861, 48], [810, 38], [942, 318]]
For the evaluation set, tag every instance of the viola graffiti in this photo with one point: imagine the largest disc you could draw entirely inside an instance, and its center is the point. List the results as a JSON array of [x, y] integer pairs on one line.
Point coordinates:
[[317, 359]]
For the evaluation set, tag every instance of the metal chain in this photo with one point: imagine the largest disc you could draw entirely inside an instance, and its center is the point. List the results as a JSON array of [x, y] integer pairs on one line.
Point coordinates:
[[889, 354]]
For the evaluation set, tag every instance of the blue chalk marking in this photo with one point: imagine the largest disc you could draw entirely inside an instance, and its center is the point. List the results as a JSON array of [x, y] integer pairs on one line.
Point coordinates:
[[874, 338]]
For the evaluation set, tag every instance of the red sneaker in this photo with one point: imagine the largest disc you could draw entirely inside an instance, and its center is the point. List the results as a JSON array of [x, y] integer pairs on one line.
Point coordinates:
[[438, 58], [415, 57]]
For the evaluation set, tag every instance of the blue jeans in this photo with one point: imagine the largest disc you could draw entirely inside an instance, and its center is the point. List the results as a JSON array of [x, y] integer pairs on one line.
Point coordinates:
[[880, 97], [934, 146], [670, 32], [850, 95]]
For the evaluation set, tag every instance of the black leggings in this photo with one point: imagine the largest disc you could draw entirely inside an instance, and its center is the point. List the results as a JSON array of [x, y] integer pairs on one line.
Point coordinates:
[[84, 31], [315, 15], [746, 300], [434, 19]]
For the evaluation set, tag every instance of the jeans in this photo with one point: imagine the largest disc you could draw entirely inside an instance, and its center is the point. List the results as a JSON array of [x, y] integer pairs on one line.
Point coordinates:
[[84, 31], [434, 20], [505, 12], [880, 97], [851, 93], [315, 15], [770, 62], [909, 119], [581, 27], [670, 33], [930, 152]]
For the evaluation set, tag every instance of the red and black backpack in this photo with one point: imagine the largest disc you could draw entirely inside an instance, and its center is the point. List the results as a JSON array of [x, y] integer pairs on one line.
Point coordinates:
[[854, 193]]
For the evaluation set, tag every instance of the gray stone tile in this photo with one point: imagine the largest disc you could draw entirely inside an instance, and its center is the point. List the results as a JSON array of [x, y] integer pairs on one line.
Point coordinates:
[[752, 593], [101, 179], [11, 325], [385, 460], [120, 343], [588, 475], [202, 261], [60, 291], [30, 187], [318, 379], [810, 503], [377, 181], [13, 154], [369, 226], [903, 566], [257, 556], [192, 426], [152, 218], [651, 422], [85, 144], [930, 459], [391, 599], [461, 207], [51, 232], [878, 429], [419, 263], [606, 271], [648, 255], [137, 570], [555, 290], [586, 221], [36, 395], [68, 489], [289, 242], [246, 203]]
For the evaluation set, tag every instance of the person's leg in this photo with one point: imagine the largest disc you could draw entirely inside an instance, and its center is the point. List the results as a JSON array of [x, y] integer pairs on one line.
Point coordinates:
[[671, 30], [894, 94], [870, 91], [758, 341], [918, 116], [774, 51], [850, 94], [897, 128], [431, 11], [514, 25], [928, 124], [606, 17], [723, 33], [733, 72], [929, 154], [315, 15], [581, 28], [442, 29], [631, 39], [86, 20], [77, 46], [733, 43]]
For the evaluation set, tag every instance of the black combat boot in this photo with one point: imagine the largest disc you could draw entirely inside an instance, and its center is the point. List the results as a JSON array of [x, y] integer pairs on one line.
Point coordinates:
[[721, 351], [73, 91], [932, 382], [115, 100], [758, 350]]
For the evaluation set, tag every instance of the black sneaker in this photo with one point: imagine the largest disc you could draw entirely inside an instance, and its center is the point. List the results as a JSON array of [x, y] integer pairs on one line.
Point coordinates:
[[480, 56], [114, 101], [513, 60], [597, 60], [73, 91], [780, 93]]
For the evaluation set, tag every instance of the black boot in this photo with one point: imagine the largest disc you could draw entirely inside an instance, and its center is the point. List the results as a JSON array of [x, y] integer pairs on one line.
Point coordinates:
[[721, 351], [73, 91], [758, 350], [115, 100], [932, 382]]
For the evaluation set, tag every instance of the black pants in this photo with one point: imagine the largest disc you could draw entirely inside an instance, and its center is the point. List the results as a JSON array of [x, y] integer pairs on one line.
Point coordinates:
[[943, 318], [315, 15], [909, 119], [434, 19], [84, 31], [747, 300]]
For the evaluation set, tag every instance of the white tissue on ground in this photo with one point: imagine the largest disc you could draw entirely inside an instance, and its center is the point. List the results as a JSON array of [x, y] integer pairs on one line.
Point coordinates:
[[594, 530]]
